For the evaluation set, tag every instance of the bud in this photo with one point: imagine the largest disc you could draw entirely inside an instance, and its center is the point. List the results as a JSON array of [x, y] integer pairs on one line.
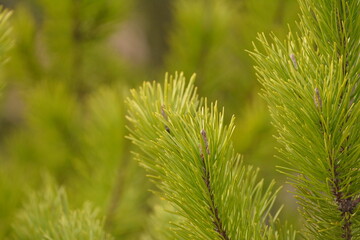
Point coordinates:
[[165, 117], [203, 134], [293, 59], [317, 98]]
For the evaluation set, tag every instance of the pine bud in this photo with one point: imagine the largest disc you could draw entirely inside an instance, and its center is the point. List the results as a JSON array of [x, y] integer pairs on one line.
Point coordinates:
[[165, 117], [293, 59], [317, 98], [203, 134]]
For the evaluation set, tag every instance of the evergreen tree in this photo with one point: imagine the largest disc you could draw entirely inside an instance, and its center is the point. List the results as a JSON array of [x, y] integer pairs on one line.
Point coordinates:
[[311, 82]]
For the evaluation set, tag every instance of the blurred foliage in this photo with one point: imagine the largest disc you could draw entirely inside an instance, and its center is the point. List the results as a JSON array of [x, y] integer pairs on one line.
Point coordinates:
[[5, 30], [5, 39], [63, 41], [61, 112], [48, 215]]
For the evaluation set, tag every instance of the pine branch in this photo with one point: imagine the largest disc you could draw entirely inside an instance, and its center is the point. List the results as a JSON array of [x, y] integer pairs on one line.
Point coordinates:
[[47, 216], [311, 83], [186, 148]]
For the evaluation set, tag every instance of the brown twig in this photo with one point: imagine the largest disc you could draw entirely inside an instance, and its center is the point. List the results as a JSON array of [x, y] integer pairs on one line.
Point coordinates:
[[218, 226], [346, 205]]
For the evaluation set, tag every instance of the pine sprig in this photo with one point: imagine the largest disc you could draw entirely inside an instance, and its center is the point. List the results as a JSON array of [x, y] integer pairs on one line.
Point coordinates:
[[186, 148], [47, 215], [311, 82]]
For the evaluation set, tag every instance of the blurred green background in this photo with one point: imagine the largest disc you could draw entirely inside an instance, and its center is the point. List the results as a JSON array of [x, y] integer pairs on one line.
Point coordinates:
[[62, 110]]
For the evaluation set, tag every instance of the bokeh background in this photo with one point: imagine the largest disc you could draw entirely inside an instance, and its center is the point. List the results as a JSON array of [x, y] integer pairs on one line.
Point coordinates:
[[62, 110]]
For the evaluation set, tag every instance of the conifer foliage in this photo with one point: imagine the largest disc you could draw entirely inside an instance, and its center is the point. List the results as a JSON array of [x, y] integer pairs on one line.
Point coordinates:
[[47, 215], [311, 82], [185, 146]]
